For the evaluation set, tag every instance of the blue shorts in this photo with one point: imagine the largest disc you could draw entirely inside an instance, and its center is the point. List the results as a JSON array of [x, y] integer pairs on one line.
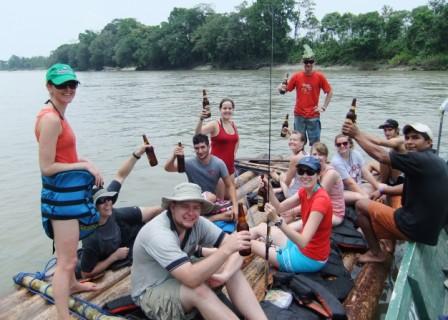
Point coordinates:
[[291, 259], [309, 127]]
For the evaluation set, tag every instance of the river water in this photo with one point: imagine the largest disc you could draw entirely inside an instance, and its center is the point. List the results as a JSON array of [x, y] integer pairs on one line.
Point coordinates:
[[112, 110]]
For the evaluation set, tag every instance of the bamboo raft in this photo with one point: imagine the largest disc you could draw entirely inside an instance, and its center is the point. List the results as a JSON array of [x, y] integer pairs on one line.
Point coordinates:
[[360, 304]]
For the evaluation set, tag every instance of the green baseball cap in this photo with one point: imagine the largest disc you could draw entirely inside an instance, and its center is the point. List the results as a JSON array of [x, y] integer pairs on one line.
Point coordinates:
[[60, 73]]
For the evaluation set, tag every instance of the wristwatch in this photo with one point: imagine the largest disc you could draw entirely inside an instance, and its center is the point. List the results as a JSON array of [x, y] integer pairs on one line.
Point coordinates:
[[278, 223]]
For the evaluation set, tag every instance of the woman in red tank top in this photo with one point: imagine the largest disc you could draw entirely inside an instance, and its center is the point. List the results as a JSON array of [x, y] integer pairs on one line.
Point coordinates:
[[57, 153], [224, 137]]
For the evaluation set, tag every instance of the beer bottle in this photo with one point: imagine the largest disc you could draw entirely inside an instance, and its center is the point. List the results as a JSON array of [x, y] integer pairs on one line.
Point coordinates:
[[150, 153], [262, 197], [285, 82], [206, 103], [351, 114], [284, 127], [242, 226], [180, 160]]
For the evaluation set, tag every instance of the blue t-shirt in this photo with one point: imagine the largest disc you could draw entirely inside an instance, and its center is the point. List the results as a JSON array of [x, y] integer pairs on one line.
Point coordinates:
[[206, 176]]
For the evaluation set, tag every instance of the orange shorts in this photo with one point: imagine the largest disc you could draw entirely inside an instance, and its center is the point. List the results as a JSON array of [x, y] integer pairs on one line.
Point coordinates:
[[383, 222]]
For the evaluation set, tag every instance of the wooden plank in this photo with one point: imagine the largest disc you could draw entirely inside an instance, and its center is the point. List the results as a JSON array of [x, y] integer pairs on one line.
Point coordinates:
[[419, 292], [362, 301]]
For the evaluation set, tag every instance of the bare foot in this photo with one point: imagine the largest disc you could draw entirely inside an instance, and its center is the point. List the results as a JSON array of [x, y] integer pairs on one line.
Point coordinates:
[[370, 257], [83, 287], [387, 245]]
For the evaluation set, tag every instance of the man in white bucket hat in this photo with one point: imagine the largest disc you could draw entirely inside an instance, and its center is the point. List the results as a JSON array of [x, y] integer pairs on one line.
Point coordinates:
[[167, 285]]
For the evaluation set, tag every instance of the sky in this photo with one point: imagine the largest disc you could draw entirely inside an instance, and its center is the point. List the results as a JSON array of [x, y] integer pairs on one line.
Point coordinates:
[[32, 28]]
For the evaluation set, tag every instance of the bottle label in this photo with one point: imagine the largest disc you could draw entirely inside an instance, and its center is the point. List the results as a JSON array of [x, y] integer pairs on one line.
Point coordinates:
[[260, 202]]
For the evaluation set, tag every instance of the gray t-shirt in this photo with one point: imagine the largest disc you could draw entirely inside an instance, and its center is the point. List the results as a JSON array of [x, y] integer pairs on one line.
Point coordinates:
[[158, 251], [206, 176], [351, 167]]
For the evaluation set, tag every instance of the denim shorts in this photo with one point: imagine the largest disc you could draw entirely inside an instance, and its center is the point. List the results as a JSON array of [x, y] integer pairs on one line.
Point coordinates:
[[309, 127], [291, 259]]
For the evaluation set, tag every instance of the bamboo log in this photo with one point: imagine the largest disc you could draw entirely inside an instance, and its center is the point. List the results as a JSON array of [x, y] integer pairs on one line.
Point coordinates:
[[362, 301], [243, 178], [258, 167], [249, 186], [75, 305], [24, 305]]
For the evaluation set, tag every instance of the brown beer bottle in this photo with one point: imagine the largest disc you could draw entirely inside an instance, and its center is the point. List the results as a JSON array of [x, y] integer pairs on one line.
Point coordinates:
[[351, 114], [285, 82], [262, 197], [180, 160], [150, 153], [206, 103], [285, 127], [242, 226]]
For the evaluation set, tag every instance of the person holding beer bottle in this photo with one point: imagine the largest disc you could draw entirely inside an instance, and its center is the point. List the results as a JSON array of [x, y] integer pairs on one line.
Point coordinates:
[[224, 138], [308, 84], [206, 170], [302, 246]]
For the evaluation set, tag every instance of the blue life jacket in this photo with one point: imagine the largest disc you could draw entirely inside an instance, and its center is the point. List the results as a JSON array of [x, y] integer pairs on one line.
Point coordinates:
[[68, 195]]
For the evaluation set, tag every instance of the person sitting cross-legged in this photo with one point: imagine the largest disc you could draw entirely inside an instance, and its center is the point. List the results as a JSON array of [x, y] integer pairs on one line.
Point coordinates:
[[302, 246], [424, 210], [167, 285], [205, 170]]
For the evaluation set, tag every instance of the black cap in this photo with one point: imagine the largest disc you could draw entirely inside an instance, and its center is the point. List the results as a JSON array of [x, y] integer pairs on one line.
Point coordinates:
[[389, 123]]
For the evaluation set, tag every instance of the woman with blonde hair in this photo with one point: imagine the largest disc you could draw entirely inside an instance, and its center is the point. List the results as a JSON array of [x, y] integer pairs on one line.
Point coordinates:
[[331, 181]]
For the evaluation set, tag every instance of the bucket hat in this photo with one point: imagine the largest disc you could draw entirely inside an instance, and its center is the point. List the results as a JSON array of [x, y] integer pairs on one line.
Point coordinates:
[[187, 191], [99, 193]]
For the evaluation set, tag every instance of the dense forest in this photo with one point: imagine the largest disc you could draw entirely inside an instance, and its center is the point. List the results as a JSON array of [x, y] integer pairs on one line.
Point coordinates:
[[242, 39]]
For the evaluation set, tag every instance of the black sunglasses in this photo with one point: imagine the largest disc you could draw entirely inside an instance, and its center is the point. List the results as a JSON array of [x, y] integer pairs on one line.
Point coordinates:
[[103, 200], [339, 144], [305, 170], [308, 61], [68, 84]]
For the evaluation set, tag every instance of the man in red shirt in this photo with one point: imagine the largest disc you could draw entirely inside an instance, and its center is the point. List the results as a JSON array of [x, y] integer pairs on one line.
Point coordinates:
[[308, 84]]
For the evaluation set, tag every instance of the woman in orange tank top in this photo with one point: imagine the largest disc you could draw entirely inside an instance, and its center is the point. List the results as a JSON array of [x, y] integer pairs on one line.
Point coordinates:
[[224, 138], [57, 153]]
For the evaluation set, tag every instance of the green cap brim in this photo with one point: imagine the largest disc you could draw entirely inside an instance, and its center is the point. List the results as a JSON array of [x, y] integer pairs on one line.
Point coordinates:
[[64, 78]]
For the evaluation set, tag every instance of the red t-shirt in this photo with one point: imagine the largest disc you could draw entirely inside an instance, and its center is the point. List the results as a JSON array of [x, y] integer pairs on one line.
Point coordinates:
[[307, 92], [319, 246], [66, 144]]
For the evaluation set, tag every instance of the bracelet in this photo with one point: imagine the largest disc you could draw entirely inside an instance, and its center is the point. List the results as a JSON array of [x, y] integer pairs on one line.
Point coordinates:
[[135, 155]]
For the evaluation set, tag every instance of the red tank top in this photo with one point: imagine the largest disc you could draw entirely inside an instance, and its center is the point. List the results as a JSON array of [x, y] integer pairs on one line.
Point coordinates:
[[223, 146], [66, 145]]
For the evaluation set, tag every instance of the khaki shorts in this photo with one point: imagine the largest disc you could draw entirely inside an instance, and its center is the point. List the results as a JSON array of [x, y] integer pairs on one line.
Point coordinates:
[[163, 302], [383, 222]]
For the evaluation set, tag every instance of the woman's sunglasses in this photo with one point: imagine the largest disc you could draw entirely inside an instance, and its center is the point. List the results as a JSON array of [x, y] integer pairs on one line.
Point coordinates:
[[339, 144], [68, 84], [103, 200], [308, 61], [308, 171]]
